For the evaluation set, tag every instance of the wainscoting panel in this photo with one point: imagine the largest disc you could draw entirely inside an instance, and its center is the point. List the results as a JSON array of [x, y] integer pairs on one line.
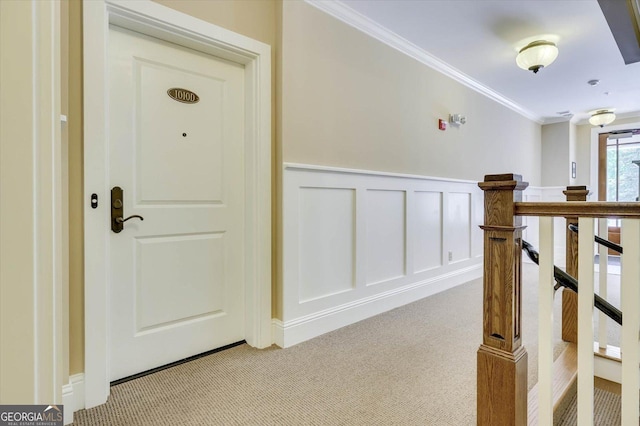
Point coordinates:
[[385, 237], [459, 226], [327, 235], [427, 235], [357, 243]]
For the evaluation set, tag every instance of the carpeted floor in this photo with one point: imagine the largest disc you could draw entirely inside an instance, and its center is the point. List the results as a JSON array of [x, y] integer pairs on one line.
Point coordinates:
[[415, 365], [607, 410]]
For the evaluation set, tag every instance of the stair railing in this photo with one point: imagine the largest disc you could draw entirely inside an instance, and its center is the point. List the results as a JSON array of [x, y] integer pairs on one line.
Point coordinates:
[[603, 253], [502, 360]]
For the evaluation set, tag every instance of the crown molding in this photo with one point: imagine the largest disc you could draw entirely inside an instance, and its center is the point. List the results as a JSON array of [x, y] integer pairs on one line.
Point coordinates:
[[554, 120], [344, 13]]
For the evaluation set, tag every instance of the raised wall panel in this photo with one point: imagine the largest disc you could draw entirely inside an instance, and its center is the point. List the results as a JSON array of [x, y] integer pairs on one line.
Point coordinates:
[[427, 232], [357, 243], [459, 225], [385, 235], [477, 234], [179, 278], [327, 247]]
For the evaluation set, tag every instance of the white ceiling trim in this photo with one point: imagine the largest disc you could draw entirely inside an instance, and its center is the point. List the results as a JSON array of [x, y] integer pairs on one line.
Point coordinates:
[[344, 13]]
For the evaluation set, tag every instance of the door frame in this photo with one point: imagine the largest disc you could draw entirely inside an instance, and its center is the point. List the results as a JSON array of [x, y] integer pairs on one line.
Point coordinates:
[[594, 166], [149, 18]]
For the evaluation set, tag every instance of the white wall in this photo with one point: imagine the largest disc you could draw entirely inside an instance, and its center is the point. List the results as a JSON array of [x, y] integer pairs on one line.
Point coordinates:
[[583, 154], [556, 154], [573, 152], [358, 243]]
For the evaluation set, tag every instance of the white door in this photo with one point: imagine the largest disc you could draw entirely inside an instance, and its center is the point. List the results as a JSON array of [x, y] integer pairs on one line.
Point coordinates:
[[176, 277]]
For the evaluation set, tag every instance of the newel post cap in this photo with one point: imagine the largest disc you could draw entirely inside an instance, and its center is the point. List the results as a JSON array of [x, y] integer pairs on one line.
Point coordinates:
[[577, 193], [507, 181]]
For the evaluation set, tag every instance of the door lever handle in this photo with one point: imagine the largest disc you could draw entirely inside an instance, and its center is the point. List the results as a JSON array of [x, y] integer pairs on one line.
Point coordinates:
[[117, 210], [134, 216]]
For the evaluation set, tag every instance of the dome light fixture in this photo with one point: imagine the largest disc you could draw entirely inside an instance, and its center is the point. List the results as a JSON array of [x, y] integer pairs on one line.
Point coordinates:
[[602, 117], [537, 54]]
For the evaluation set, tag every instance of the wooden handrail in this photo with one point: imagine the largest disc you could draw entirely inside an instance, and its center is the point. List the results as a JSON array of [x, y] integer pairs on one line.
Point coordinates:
[[502, 359], [578, 209]]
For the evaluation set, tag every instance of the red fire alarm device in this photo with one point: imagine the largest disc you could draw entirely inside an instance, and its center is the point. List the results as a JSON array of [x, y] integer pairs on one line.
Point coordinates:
[[442, 124]]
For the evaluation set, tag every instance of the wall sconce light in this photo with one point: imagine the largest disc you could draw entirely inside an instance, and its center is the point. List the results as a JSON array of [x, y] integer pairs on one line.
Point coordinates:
[[602, 117], [457, 119], [537, 54]]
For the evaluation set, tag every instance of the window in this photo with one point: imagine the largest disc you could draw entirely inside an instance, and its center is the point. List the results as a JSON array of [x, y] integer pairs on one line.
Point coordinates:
[[623, 165], [622, 173]]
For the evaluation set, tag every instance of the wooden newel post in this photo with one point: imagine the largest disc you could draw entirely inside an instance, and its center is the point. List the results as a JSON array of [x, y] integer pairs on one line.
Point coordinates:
[[569, 298], [502, 360]]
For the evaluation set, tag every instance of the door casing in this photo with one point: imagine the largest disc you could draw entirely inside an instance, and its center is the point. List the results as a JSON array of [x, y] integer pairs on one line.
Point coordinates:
[[155, 20], [594, 155]]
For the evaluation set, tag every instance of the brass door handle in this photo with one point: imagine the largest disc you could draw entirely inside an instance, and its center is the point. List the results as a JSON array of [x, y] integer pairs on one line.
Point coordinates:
[[117, 210], [134, 216]]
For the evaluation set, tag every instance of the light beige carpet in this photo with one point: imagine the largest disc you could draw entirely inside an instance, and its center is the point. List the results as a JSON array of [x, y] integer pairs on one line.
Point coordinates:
[[414, 365], [606, 410]]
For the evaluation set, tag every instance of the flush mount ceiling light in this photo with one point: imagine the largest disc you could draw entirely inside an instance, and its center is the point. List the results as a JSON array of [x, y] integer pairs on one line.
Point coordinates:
[[602, 117], [537, 54]]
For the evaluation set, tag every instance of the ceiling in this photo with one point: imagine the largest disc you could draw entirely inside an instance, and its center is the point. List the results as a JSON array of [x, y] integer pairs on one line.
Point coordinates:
[[480, 39]]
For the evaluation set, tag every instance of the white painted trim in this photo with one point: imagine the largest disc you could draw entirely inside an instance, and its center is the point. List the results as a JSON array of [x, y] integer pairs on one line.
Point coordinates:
[[48, 193], [607, 369], [346, 14], [545, 322], [629, 299], [552, 188], [162, 22], [319, 168], [603, 276], [595, 132], [310, 307], [277, 331], [290, 333], [585, 322], [73, 397], [67, 402]]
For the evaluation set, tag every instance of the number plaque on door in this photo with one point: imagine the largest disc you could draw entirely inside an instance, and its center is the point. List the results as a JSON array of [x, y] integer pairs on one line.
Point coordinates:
[[183, 95]]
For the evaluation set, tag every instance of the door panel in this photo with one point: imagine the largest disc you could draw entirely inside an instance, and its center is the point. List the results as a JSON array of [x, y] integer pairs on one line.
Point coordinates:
[[187, 136], [176, 278]]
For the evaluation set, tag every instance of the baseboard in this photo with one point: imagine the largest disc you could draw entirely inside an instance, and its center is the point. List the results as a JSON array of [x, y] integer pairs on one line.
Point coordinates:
[[73, 397], [277, 332], [292, 332], [68, 403], [607, 369]]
